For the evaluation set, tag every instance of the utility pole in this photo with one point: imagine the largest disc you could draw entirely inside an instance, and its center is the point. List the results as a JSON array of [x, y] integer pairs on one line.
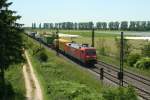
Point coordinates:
[[57, 42], [120, 74], [93, 36]]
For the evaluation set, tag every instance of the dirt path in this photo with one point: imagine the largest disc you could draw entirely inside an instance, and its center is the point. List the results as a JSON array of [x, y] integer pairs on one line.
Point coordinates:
[[33, 89]]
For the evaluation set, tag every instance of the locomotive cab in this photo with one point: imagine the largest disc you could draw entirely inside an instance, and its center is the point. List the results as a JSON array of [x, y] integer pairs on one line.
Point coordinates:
[[81, 52], [90, 56]]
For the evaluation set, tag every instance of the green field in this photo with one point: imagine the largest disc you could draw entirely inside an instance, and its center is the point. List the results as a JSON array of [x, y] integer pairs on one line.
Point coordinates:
[[105, 44], [63, 80]]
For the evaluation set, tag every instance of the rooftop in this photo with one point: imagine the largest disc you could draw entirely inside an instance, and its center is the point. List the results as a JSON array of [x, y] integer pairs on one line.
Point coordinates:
[[77, 46]]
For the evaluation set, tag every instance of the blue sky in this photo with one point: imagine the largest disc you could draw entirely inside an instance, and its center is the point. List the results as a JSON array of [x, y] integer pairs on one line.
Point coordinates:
[[81, 10]]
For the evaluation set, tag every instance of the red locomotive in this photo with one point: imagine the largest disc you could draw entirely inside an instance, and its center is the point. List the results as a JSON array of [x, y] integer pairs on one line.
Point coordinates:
[[81, 52]]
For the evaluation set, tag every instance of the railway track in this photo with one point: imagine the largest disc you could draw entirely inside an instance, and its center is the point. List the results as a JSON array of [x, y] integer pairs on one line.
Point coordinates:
[[140, 83]]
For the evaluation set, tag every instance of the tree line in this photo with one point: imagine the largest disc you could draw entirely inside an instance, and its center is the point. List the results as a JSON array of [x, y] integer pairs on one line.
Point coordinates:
[[124, 25]]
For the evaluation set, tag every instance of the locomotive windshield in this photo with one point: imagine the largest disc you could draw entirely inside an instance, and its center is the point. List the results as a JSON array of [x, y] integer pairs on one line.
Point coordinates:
[[90, 52]]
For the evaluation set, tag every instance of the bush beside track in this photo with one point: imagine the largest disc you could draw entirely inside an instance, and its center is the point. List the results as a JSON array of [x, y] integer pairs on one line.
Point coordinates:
[[15, 87], [63, 80]]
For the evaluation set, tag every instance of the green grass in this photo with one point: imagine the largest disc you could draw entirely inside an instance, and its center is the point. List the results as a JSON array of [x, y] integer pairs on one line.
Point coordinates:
[[57, 74], [63, 80], [15, 87], [88, 33], [105, 39], [115, 62], [85, 33]]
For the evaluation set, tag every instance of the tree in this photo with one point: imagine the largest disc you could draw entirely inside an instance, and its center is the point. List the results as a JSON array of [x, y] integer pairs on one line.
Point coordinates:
[[40, 26], [46, 25], [110, 25], [99, 25], [124, 25], [148, 26], [132, 26], [56, 25], [146, 50], [116, 25], [137, 24], [90, 25], [140, 25], [10, 40], [32, 25], [51, 26], [69, 25], [75, 26], [143, 26], [104, 25], [85, 25]]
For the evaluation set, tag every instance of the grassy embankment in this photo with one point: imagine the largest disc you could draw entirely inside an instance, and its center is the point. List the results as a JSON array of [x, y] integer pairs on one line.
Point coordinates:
[[106, 40], [15, 87], [62, 80]]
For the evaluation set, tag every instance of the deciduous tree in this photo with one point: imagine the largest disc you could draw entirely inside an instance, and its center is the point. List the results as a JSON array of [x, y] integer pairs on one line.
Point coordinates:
[[124, 25]]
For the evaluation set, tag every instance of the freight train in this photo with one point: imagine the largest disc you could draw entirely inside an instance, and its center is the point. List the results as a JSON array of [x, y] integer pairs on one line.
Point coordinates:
[[81, 52]]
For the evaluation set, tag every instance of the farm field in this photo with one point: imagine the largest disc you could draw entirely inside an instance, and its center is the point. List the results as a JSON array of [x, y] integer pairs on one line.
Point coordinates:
[[87, 33], [106, 45]]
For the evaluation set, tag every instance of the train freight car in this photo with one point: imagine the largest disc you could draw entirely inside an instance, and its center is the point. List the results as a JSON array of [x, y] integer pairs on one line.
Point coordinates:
[[47, 39], [62, 44], [32, 34], [38, 37]]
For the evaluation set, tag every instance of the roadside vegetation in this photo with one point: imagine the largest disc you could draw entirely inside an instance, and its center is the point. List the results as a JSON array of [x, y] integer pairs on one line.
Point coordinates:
[[63, 80], [15, 86], [107, 45]]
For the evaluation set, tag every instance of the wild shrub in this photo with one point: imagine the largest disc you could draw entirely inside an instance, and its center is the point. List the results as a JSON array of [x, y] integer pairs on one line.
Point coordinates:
[[120, 94], [143, 63], [41, 55], [102, 47], [71, 91], [29, 44], [102, 51], [127, 47], [146, 50], [132, 59]]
